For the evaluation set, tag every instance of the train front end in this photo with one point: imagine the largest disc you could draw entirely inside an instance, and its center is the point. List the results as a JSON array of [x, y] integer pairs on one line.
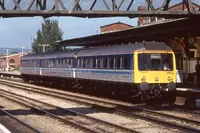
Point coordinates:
[[155, 72]]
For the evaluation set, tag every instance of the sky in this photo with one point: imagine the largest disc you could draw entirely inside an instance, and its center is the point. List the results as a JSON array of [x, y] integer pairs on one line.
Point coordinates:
[[18, 32]]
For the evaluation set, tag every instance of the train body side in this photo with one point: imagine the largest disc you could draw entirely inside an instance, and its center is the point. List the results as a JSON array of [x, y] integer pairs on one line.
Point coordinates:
[[110, 63]]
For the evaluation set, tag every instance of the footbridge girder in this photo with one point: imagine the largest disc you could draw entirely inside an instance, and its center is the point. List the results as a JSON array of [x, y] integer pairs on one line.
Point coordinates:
[[93, 8]]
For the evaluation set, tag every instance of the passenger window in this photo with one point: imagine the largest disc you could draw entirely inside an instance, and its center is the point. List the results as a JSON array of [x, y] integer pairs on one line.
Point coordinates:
[[70, 62], [83, 63], [105, 63], [67, 62], [78, 63], [111, 63], [101, 63], [122, 62], [63, 62], [125, 62], [116, 63], [97, 63], [108, 63], [88, 63], [92, 63]]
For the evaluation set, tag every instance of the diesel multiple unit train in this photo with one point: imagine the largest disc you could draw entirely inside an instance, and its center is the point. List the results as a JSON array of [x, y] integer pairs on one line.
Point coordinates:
[[147, 69]]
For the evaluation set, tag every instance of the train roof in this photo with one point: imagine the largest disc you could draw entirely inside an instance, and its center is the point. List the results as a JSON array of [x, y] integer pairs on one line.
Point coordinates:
[[123, 49], [31, 56], [59, 54], [105, 50], [50, 55]]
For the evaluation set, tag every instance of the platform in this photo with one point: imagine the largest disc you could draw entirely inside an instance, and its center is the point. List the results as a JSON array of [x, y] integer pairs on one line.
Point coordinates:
[[10, 72], [188, 96], [196, 89]]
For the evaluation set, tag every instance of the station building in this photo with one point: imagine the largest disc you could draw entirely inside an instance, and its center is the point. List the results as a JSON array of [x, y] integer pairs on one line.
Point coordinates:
[[189, 61], [10, 62]]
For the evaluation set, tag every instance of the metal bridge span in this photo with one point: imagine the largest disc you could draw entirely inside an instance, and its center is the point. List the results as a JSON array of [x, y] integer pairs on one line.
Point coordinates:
[[92, 8]]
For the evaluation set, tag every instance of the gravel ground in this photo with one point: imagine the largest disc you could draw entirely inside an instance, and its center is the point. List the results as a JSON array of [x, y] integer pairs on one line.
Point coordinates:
[[41, 122], [176, 113], [140, 125]]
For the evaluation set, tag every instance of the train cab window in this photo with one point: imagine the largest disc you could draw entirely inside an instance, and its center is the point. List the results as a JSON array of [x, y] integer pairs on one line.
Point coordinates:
[[155, 61]]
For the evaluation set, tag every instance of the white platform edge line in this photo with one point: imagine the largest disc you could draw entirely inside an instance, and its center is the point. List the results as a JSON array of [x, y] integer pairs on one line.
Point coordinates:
[[182, 89], [4, 129]]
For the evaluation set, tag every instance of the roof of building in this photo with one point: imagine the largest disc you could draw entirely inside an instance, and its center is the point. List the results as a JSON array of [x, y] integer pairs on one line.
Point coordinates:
[[115, 23], [5, 56], [178, 4], [157, 31]]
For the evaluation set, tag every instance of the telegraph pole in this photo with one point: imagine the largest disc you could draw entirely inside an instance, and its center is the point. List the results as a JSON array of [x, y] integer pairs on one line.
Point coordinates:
[[43, 46]]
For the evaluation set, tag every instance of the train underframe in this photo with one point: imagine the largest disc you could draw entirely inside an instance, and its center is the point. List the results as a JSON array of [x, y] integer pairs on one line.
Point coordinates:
[[144, 91], [155, 91]]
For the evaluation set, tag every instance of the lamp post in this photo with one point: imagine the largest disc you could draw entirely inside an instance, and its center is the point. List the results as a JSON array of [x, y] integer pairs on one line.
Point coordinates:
[[7, 60], [22, 50], [43, 46], [58, 45]]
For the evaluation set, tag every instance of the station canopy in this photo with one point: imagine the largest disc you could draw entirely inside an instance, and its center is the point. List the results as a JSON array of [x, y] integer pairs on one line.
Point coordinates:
[[156, 31]]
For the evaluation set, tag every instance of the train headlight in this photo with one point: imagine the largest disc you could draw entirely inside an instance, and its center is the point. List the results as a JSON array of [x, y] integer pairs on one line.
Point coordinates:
[[156, 79], [169, 78], [143, 79]]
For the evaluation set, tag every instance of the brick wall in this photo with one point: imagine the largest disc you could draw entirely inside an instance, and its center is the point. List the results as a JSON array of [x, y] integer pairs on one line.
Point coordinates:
[[16, 64], [181, 6], [140, 19], [177, 7], [115, 27], [16, 59]]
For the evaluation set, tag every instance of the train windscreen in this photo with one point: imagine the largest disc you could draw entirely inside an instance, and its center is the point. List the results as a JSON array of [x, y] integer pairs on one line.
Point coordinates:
[[155, 62]]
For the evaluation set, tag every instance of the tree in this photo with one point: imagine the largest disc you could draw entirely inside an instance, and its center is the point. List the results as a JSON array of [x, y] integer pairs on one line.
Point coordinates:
[[49, 34]]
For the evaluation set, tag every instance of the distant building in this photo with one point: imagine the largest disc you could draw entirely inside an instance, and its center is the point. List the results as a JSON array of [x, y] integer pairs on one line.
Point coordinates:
[[194, 50], [177, 7], [118, 26], [10, 62]]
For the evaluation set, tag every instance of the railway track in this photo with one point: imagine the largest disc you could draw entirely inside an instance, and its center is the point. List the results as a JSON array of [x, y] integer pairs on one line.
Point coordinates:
[[26, 127], [127, 110], [86, 123]]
